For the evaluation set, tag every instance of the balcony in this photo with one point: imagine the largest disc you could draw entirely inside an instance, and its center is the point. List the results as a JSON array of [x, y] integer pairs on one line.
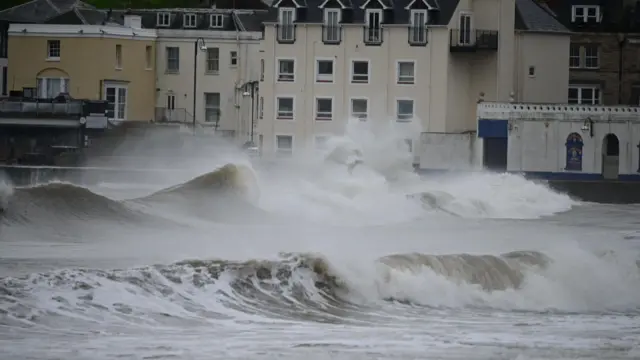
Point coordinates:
[[417, 35], [473, 40], [40, 108], [331, 35], [286, 33], [372, 35]]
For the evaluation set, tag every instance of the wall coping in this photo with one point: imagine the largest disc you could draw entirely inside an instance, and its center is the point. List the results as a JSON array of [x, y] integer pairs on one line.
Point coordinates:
[[506, 111]]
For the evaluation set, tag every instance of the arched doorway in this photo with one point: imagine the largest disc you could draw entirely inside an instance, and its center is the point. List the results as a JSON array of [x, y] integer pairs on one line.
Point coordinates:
[[574, 147], [610, 157]]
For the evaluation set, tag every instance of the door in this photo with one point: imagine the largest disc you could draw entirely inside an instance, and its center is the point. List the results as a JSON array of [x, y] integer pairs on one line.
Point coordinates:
[[169, 112], [464, 38], [495, 154], [610, 157], [116, 96]]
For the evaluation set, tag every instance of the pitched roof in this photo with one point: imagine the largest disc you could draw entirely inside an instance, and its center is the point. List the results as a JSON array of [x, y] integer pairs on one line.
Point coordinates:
[[530, 16], [37, 11]]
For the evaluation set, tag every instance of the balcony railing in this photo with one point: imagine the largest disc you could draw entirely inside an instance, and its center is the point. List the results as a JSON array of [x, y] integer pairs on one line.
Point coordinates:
[[45, 108], [417, 35], [472, 40], [331, 35], [164, 115], [372, 35], [286, 33]]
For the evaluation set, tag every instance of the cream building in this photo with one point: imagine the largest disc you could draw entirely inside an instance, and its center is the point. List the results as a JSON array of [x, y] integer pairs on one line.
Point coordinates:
[[419, 63]]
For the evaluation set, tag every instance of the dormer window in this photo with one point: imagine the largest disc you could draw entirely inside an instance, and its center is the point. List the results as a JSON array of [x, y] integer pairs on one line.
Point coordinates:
[[585, 13], [286, 25], [418, 29], [331, 30], [163, 19], [373, 28], [216, 21], [190, 20]]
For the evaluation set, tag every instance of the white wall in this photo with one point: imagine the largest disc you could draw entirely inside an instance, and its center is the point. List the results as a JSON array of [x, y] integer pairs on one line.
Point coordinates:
[[235, 109], [442, 151]]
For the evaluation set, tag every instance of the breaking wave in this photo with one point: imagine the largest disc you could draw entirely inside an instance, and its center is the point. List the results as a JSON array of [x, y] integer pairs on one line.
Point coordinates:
[[311, 287]]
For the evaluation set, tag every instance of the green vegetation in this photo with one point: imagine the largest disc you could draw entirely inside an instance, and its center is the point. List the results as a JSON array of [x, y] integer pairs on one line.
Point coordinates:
[[120, 4]]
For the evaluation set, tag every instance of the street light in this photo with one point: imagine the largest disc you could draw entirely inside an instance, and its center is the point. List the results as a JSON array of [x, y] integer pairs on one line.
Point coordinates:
[[250, 89], [197, 45]]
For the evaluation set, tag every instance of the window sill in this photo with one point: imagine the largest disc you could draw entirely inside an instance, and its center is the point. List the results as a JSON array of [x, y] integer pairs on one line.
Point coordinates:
[[360, 82], [53, 59], [405, 83], [212, 73], [233, 66], [118, 69], [284, 117], [324, 81], [285, 80], [404, 120], [172, 72], [323, 119]]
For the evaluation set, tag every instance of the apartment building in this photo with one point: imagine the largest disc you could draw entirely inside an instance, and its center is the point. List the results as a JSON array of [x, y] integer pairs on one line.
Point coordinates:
[[208, 61], [82, 54], [605, 47], [31, 12], [412, 62]]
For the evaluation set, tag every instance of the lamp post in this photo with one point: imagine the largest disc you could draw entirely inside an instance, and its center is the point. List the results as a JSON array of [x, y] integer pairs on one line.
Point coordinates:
[[197, 45], [253, 87]]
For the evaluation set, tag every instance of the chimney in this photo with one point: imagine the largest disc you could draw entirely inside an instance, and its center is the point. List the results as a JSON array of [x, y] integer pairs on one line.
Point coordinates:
[[133, 21]]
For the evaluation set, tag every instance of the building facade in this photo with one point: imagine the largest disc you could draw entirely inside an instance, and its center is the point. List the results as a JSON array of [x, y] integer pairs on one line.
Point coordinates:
[[422, 64], [605, 47], [110, 62]]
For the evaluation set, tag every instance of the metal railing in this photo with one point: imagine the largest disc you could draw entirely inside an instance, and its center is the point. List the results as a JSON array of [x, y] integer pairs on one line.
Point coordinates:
[[164, 115], [286, 33], [331, 34], [372, 35], [471, 40], [42, 108]]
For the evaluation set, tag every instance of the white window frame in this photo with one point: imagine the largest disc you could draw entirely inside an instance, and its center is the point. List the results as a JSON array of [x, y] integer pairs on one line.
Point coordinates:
[[285, 77], [163, 19], [332, 31], [166, 52], [324, 78], [279, 116], [41, 87], [233, 59], [352, 74], [419, 31], [582, 56], [283, 30], [404, 118], [581, 87], [360, 116], [117, 86], [148, 57], [324, 116], [462, 40], [119, 57], [585, 11], [213, 63], [54, 50], [216, 21], [284, 151], [407, 80], [207, 107], [190, 21], [374, 33]]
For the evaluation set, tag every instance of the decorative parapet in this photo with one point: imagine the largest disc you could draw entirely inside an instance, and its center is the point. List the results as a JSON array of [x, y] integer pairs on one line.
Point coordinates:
[[562, 112]]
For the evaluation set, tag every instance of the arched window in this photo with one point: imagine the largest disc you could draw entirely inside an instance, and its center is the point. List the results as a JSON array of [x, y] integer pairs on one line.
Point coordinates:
[[574, 152]]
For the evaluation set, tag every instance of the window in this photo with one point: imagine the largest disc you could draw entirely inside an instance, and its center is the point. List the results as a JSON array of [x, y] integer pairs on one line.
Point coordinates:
[[233, 58], [212, 107], [149, 57], [190, 20], [585, 13], [261, 69], [360, 108], [284, 144], [465, 31], [406, 72], [331, 31], [284, 106], [173, 59], [418, 30], [585, 56], [532, 71], [261, 106], [373, 29], [324, 108], [171, 102], [53, 50], [286, 26], [116, 96], [118, 56], [584, 94], [4, 80], [320, 142], [324, 70], [286, 70], [48, 88], [360, 72], [213, 60], [216, 21], [163, 19], [404, 110]]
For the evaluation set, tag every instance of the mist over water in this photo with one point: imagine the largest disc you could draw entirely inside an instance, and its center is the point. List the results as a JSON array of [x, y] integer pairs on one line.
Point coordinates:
[[343, 251]]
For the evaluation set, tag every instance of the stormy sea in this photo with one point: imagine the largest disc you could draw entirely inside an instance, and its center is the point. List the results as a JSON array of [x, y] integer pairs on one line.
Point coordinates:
[[223, 256]]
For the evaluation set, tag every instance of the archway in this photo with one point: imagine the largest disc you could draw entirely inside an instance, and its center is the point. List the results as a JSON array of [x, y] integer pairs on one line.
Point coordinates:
[[610, 157], [51, 82], [574, 146]]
